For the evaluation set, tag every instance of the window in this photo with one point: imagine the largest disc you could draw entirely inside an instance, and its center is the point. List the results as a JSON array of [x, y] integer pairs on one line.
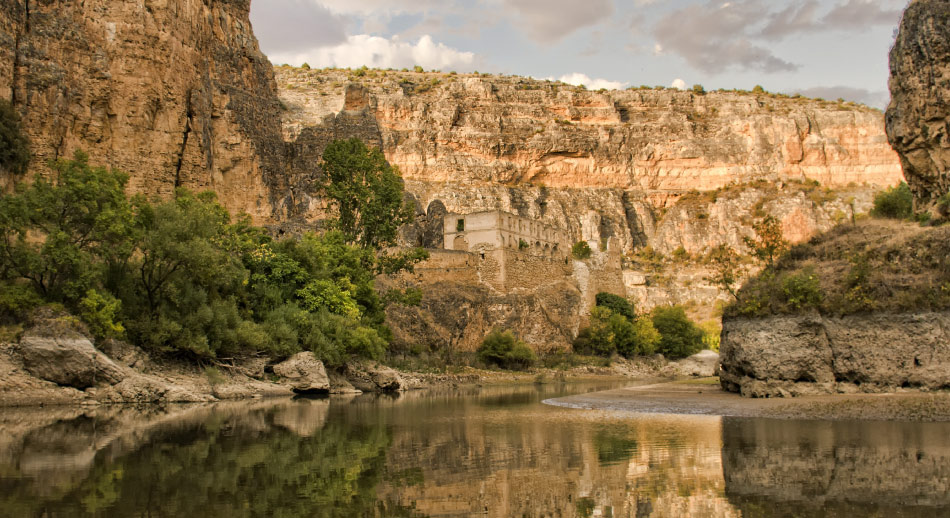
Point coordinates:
[[460, 225]]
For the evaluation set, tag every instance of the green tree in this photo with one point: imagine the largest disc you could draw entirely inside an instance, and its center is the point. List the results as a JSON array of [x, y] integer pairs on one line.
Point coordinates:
[[56, 232], [617, 304], [679, 336], [367, 193], [769, 242], [14, 146]]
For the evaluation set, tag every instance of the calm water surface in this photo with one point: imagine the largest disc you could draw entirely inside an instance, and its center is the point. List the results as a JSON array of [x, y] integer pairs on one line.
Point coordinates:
[[493, 452]]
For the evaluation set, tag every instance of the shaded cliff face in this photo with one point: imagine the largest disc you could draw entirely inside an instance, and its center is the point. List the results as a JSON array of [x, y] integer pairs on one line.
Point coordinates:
[[175, 92], [918, 118], [510, 130]]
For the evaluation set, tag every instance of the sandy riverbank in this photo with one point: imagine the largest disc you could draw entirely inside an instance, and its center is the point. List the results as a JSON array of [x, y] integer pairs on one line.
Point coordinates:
[[705, 397]]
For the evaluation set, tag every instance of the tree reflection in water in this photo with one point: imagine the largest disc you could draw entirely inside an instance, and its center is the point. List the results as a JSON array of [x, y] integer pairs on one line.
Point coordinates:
[[493, 452]]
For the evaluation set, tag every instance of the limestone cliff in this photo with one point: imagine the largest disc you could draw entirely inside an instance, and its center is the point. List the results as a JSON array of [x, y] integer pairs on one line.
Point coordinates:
[[512, 130], [918, 118], [601, 164], [175, 92]]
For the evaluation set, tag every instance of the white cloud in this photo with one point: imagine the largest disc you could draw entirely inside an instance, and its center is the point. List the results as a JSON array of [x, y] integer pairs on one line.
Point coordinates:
[[679, 84], [378, 52], [367, 7], [548, 21], [288, 25], [578, 79]]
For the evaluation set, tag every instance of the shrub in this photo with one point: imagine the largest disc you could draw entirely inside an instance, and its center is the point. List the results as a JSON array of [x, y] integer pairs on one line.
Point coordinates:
[[612, 332], [802, 289], [699, 90], [100, 311], [894, 203], [17, 300], [757, 89], [501, 348], [617, 304], [581, 250], [14, 146], [679, 336]]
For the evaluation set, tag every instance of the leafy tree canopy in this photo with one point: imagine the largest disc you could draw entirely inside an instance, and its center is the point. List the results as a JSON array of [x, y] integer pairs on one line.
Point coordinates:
[[366, 191]]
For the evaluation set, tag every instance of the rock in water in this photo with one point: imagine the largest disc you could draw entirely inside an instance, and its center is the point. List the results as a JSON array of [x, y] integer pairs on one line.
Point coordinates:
[[305, 373], [69, 360], [918, 118]]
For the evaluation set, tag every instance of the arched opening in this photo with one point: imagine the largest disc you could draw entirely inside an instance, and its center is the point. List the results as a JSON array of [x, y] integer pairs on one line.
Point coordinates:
[[460, 243]]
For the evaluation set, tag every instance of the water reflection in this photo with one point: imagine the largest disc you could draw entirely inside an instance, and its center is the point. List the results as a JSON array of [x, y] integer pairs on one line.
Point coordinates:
[[493, 452]]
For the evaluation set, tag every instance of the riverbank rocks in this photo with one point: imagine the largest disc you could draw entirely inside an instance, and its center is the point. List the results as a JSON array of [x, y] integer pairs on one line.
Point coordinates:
[[704, 363], [811, 354], [305, 373], [66, 358], [374, 377], [918, 118]]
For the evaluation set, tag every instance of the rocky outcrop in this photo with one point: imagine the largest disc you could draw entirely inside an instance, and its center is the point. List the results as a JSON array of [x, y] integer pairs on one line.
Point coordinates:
[[305, 373], [176, 93], [374, 377], [67, 360], [918, 118], [812, 354]]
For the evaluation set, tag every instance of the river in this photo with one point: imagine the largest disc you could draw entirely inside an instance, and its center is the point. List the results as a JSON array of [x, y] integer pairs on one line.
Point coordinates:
[[486, 452]]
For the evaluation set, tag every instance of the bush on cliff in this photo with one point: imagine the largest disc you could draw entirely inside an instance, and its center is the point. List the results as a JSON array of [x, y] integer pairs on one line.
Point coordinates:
[[894, 203], [502, 349], [581, 250], [875, 265]]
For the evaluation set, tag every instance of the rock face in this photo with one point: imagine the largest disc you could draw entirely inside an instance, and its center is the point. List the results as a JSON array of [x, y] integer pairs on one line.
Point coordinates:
[[794, 355], [69, 360], [511, 130], [174, 92], [918, 118], [304, 372]]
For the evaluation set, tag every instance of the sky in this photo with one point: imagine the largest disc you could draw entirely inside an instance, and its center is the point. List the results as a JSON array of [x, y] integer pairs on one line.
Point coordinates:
[[826, 48]]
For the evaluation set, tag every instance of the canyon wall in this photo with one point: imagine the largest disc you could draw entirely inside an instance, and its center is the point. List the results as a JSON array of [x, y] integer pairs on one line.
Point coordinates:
[[918, 118], [176, 93]]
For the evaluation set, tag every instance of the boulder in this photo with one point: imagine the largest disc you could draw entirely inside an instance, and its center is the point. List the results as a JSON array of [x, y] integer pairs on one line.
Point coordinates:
[[304, 373], [374, 377], [703, 363], [67, 359]]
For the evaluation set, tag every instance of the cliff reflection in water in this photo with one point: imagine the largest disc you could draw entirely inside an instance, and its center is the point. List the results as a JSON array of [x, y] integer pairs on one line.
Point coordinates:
[[493, 452], [803, 468]]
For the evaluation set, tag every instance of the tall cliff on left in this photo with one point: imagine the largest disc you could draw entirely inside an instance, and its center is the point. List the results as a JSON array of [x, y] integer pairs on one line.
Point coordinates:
[[175, 92]]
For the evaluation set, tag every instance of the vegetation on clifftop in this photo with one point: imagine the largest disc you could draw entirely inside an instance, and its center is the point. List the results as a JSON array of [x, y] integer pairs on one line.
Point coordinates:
[[873, 265]]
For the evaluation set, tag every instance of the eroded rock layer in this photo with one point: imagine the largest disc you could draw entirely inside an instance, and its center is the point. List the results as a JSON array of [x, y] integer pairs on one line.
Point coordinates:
[[811, 354], [511, 130], [918, 118]]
